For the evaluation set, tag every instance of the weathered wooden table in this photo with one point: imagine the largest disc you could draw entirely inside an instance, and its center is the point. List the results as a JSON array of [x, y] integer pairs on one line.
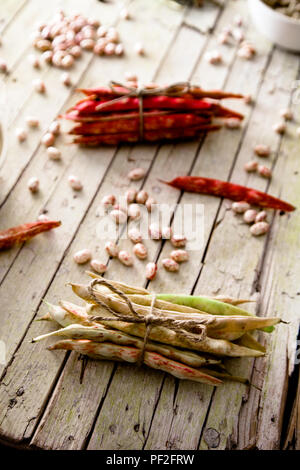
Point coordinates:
[[42, 403]]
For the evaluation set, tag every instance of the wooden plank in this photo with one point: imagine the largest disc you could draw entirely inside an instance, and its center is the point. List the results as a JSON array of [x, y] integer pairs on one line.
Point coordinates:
[[237, 275], [280, 288], [47, 365], [116, 177], [9, 9]]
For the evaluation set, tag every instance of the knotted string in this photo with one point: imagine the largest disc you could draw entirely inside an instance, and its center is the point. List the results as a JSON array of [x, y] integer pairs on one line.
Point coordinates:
[[177, 89], [185, 329]]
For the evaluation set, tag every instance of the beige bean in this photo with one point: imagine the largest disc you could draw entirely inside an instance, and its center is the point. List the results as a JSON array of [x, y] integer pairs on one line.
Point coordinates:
[[21, 134], [151, 270], [264, 171], [75, 183], [280, 128], [262, 150], [233, 123], [166, 233], [141, 197], [178, 241], [125, 258], [39, 85], [54, 128], [33, 184], [48, 139], [286, 114], [54, 153], [250, 216], [134, 211], [118, 216], [240, 207], [130, 195], [112, 249], [108, 200], [261, 217], [140, 251], [135, 235], [99, 267], [179, 256], [251, 166], [150, 204], [82, 256], [154, 232], [136, 174], [259, 228], [170, 265]]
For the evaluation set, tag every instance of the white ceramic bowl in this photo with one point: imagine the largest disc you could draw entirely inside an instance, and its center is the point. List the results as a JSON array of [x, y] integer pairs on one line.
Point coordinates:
[[280, 29]]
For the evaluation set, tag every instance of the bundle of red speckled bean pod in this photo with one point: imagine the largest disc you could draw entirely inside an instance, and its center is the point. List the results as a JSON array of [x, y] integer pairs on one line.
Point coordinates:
[[131, 113]]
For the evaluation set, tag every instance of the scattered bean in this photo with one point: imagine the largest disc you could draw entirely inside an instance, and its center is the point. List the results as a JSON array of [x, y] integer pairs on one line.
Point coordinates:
[[134, 212], [154, 232], [21, 134], [54, 153], [151, 270], [213, 57], [82, 256], [259, 228], [66, 79], [178, 241], [125, 258], [34, 61], [261, 217], [150, 204], [141, 197], [139, 48], [130, 195], [179, 256], [3, 66], [240, 207], [250, 216], [280, 128], [262, 150], [112, 249], [33, 184], [124, 14], [108, 201], [32, 121], [136, 174], [39, 85], [99, 267], [166, 233], [118, 216], [286, 114], [140, 251], [264, 171], [135, 235], [170, 265], [54, 128], [251, 166], [48, 139], [75, 183]]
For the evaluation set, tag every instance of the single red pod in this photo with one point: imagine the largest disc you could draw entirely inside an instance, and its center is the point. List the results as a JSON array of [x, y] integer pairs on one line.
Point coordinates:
[[235, 192], [21, 233]]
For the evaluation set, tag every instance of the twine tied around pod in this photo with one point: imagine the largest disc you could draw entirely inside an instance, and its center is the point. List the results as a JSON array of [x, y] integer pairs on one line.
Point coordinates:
[[189, 330]]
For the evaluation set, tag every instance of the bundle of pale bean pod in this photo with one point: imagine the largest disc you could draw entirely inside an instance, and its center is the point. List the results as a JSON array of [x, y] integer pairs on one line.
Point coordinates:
[[127, 323]]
